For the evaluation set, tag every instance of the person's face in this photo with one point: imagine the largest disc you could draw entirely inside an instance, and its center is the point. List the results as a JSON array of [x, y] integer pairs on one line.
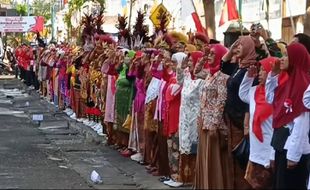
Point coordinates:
[[284, 63], [239, 51], [262, 76], [211, 56], [190, 64]]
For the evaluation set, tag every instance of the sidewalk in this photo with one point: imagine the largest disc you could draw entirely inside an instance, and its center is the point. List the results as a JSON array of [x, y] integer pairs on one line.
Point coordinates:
[[75, 146]]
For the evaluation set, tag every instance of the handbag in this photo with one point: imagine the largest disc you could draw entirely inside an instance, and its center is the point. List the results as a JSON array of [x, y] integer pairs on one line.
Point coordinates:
[[127, 123], [242, 152], [194, 148]]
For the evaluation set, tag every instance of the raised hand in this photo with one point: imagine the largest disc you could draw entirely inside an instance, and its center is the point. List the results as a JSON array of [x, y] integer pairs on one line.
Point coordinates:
[[252, 71], [276, 68], [184, 63]]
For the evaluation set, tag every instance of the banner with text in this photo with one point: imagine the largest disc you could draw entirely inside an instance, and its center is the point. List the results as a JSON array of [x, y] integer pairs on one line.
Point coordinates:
[[21, 24]]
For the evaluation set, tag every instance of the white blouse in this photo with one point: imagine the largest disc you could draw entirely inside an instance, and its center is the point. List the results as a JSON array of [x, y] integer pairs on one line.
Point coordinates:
[[297, 143], [189, 109], [306, 99], [260, 152]]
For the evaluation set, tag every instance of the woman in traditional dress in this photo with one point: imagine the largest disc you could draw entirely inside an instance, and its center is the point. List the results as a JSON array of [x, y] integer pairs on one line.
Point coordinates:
[[136, 139], [189, 110], [123, 100], [258, 172], [212, 165], [171, 91], [235, 109], [290, 117], [108, 68]]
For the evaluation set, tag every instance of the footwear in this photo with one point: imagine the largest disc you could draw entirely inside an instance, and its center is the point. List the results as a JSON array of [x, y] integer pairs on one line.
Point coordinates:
[[164, 178], [85, 121], [69, 113], [152, 170], [92, 123], [73, 116], [79, 120], [142, 163], [97, 127], [148, 167], [126, 153], [155, 173], [173, 183], [137, 157]]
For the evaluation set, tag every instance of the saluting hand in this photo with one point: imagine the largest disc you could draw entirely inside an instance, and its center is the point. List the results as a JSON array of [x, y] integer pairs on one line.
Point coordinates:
[[184, 63], [252, 71], [276, 68]]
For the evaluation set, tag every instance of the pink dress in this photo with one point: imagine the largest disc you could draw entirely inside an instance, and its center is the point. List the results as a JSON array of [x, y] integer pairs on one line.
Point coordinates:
[[109, 115]]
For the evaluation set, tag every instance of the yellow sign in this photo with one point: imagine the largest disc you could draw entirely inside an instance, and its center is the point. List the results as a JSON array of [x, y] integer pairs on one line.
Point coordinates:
[[158, 13]]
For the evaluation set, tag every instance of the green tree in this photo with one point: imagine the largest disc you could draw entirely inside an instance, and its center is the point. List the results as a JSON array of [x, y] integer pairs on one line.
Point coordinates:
[[21, 9], [42, 8]]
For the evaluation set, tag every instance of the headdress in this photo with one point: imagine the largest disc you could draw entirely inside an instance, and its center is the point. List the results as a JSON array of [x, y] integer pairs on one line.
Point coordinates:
[[124, 37], [88, 23], [178, 37], [99, 22], [140, 31], [199, 40]]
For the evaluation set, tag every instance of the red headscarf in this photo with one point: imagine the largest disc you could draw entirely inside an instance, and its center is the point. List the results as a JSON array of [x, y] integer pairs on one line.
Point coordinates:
[[219, 51], [248, 48], [263, 110], [196, 55], [287, 104]]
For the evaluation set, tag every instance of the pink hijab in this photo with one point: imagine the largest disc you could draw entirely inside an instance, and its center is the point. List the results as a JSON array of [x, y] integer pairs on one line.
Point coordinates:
[[219, 51], [248, 46]]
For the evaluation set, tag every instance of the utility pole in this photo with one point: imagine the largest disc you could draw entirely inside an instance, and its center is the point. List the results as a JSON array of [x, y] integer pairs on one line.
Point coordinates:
[[130, 13], [53, 21]]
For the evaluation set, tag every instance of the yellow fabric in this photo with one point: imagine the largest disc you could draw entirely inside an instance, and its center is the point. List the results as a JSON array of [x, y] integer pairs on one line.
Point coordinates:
[[190, 48], [127, 123], [178, 36]]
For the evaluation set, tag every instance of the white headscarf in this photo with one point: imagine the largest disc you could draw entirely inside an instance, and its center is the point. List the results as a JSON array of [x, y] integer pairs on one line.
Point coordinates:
[[178, 57]]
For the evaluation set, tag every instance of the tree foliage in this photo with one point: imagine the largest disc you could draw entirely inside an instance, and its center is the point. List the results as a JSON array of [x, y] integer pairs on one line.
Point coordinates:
[[42, 8], [21, 9]]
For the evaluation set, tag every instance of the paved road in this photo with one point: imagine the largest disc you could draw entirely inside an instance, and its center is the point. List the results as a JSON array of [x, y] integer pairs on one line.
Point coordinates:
[[57, 153]]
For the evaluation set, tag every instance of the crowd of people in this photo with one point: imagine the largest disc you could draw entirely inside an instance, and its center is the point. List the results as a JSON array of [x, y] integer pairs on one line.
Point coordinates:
[[191, 110]]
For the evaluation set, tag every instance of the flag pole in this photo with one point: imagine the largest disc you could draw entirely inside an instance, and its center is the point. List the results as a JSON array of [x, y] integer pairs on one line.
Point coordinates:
[[240, 17], [192, 1], [130, 13], [291, 18]]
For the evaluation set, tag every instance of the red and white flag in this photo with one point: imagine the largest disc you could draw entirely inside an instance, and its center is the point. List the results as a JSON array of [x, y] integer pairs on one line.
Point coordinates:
[[188, 9], [229, 12]]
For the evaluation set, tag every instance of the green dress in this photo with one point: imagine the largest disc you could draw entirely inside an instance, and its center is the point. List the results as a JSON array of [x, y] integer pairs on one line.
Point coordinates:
[[123, 98]]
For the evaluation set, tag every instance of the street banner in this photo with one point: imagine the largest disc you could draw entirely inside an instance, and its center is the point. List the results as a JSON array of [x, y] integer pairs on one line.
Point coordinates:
[[21, 24]]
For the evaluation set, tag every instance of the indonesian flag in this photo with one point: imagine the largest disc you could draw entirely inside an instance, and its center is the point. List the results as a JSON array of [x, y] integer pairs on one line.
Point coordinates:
[[229, 12], [188, 10]]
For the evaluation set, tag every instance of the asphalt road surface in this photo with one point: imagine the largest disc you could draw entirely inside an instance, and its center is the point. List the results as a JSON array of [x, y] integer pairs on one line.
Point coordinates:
[[56, 153]]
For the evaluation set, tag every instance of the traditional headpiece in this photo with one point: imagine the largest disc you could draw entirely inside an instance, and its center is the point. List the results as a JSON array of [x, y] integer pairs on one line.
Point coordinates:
[[107, 39], [199, 40], [140, 31], [99, 22], [178, 37], [88, 23], [124, 36]]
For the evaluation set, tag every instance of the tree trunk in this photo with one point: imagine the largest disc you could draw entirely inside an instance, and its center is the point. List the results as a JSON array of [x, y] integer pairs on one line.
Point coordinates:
[[307, 19], [208, 6]]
